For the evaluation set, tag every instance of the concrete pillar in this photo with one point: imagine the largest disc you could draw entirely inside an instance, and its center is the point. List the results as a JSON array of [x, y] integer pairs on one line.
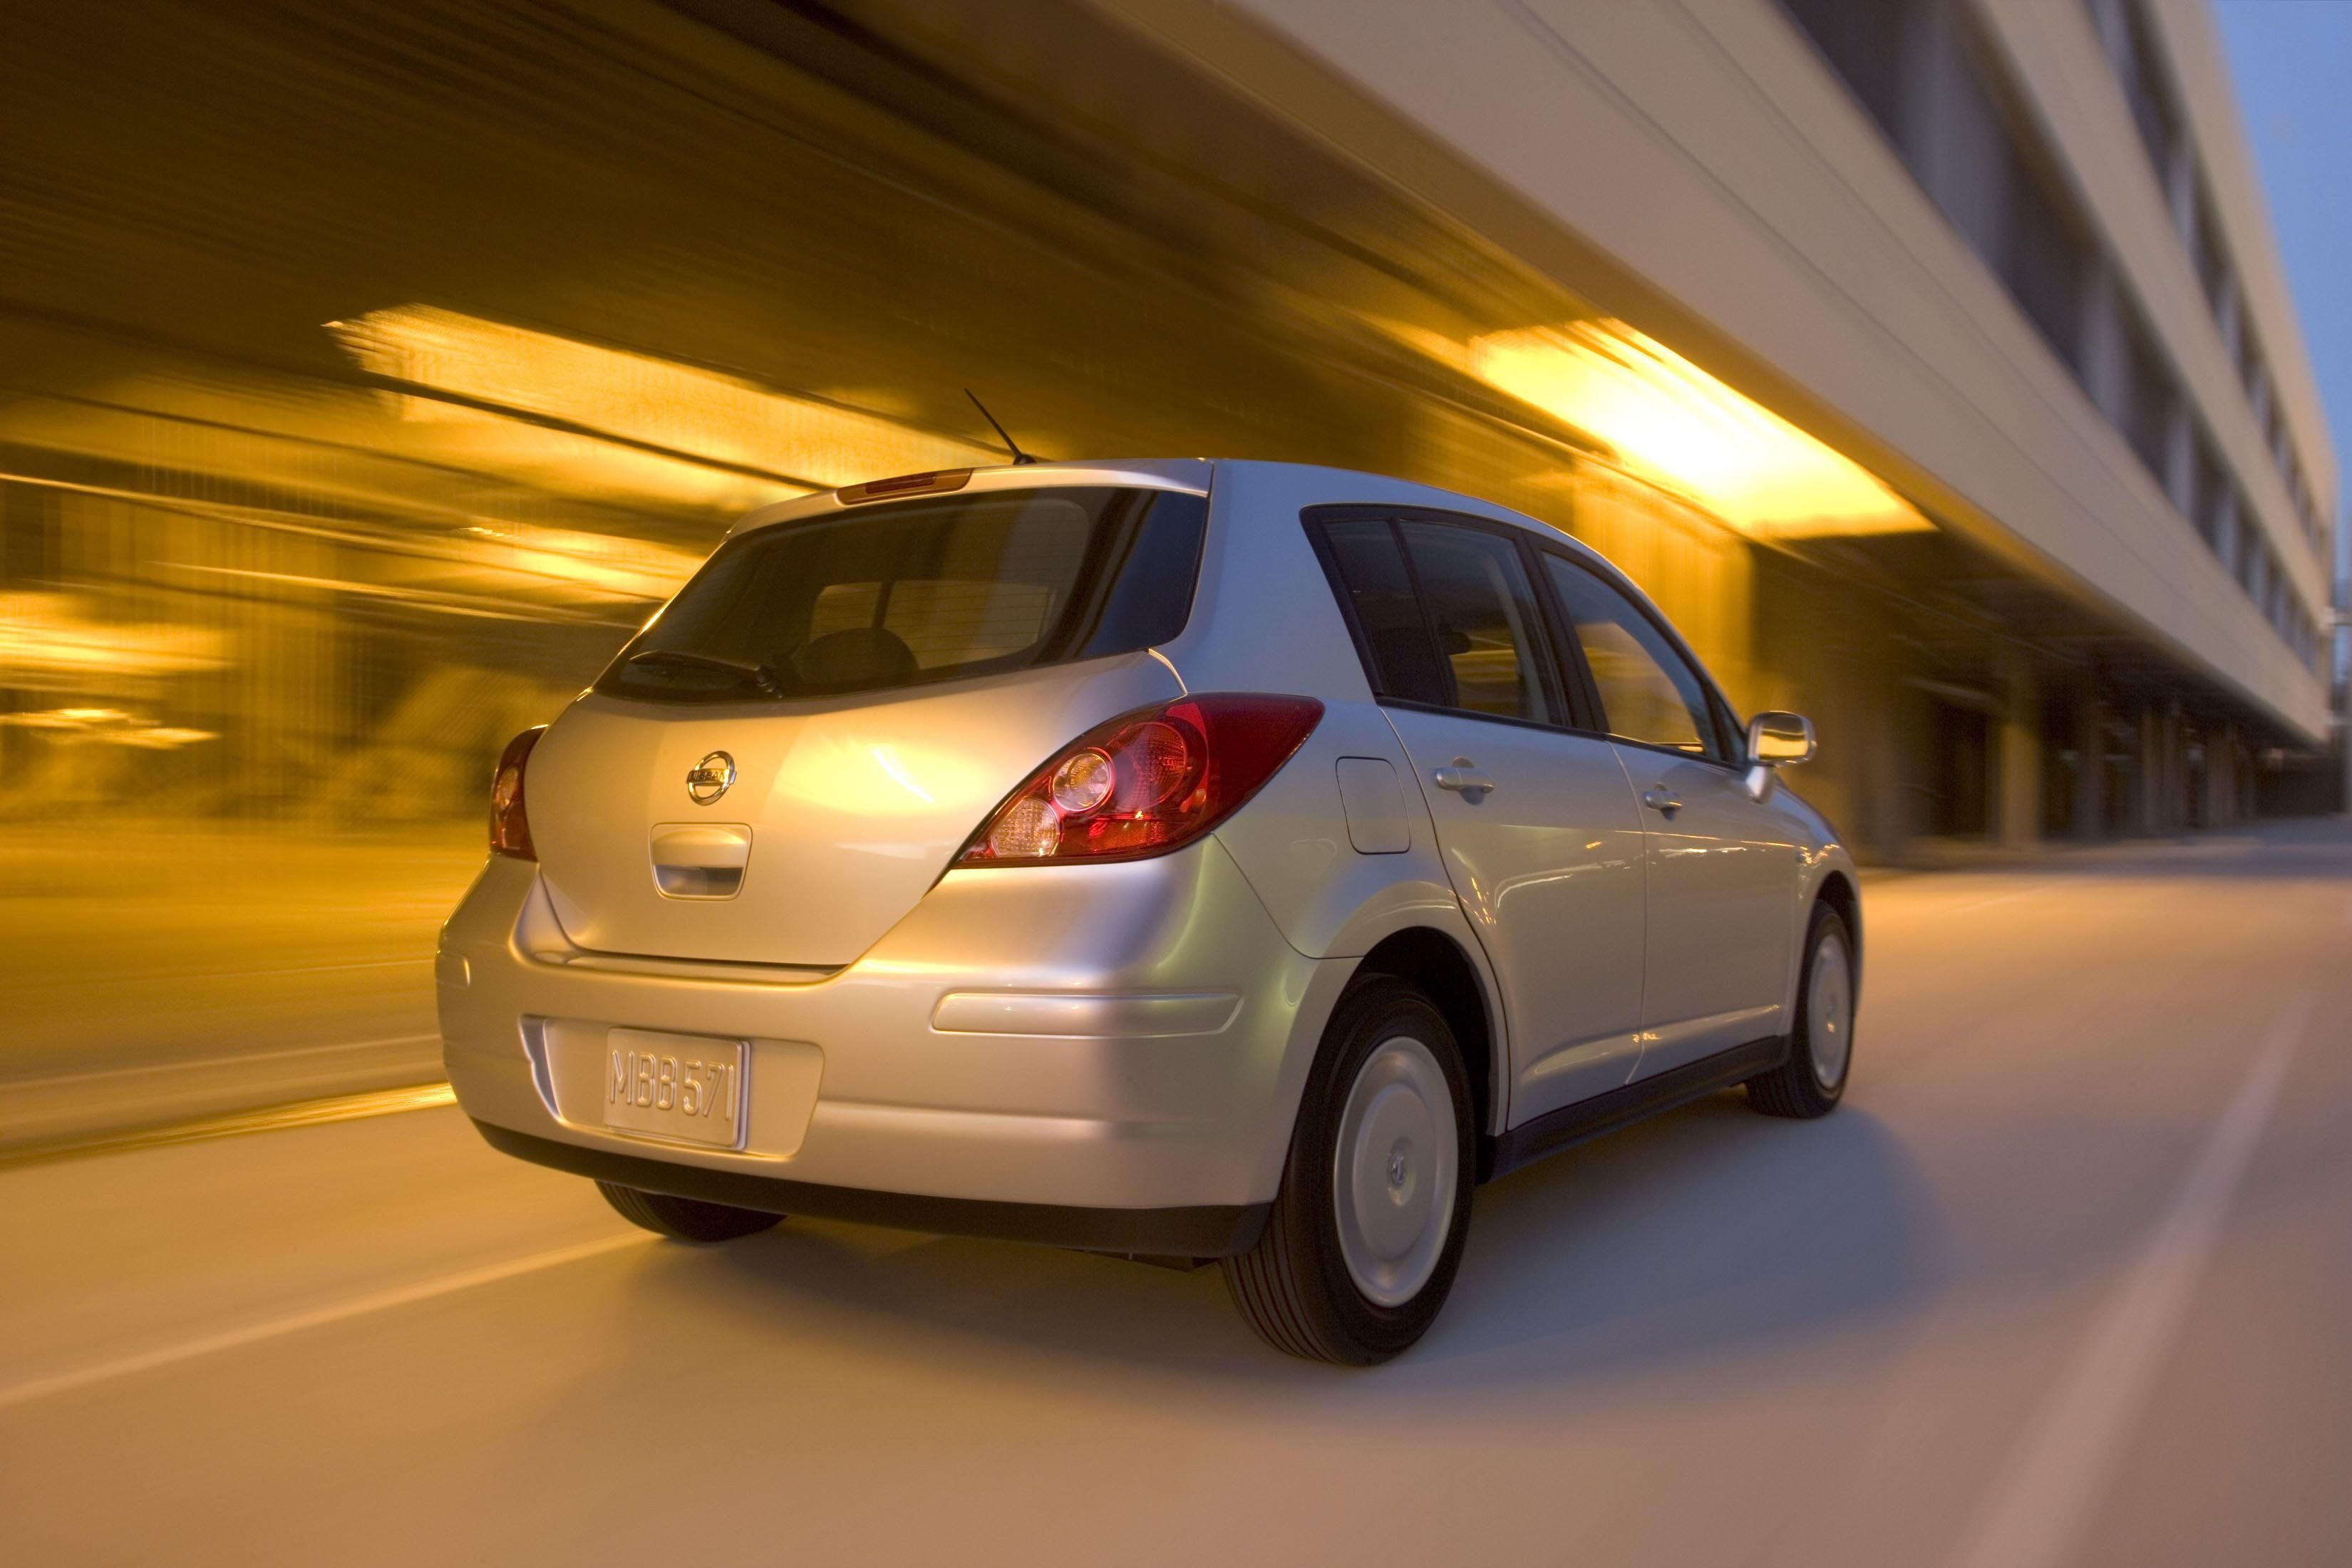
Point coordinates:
[[2217, 776], [2169, 765], [2147, 815], [2221, 773], [2090, 807], [2017, 761]]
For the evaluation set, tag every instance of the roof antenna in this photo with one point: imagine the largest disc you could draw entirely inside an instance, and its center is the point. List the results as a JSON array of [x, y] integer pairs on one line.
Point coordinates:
[[1019, 456]]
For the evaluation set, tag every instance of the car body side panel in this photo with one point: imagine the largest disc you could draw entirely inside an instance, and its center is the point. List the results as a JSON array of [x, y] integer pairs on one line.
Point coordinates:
[[1291, 841], [1549, 869], [1333, 902], [1720, 870], [1820, 856]]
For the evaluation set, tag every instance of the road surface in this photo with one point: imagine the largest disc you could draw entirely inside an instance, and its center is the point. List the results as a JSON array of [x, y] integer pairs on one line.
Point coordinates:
[[205, 967], [2067, 1280]]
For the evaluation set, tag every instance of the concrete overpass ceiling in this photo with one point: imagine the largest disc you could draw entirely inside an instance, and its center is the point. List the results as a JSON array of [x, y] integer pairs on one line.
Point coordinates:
[[643, 239], [1698, 171]]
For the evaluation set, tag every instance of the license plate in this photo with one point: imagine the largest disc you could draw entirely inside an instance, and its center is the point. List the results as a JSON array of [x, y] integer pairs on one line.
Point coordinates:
[[686, 1088]]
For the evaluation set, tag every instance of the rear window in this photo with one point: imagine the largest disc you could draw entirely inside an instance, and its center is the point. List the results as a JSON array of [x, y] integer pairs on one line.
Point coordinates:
[[883, 597]]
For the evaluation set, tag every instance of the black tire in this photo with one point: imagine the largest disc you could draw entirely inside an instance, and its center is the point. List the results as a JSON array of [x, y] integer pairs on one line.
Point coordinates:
[[685, 1219], [1294, 1287], [1795, 1089]]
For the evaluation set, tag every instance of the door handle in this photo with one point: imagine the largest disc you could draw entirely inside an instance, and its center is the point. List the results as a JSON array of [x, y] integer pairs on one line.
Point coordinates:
[[1465, 778], [1658, 797]]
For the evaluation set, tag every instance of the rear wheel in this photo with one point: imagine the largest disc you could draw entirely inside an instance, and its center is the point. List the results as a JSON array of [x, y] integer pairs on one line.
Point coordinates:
[[685, 1219], [1368, 1229], [1821, 1046]]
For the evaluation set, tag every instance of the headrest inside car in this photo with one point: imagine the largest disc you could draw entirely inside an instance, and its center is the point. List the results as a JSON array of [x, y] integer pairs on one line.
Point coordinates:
[[862, 656]]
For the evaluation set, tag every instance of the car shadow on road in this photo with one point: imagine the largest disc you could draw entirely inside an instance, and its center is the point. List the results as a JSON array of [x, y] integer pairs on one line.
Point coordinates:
[[1707, 1230]]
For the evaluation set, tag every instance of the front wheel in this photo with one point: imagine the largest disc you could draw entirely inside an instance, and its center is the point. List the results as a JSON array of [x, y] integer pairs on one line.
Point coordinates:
[[1368, 1229], [1821, 1046], [685, 1219]]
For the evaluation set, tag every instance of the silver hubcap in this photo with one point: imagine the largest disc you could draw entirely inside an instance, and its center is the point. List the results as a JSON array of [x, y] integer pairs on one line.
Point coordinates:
[[1394, 1172], [1829, 1013]]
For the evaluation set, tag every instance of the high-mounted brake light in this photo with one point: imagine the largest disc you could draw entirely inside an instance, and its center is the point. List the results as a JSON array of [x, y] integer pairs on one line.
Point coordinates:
[[510, 823], [1145, 782], [929, 483]]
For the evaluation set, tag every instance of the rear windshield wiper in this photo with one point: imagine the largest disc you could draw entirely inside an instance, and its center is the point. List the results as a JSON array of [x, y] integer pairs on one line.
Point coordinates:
[[762, 676]]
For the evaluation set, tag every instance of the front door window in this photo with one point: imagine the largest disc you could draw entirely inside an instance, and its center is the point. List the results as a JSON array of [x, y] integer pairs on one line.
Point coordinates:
[[1649, 693]]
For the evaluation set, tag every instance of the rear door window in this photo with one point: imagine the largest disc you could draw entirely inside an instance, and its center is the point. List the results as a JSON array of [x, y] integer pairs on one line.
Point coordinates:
[[1398, 654], [1445, 616], [882, 596]]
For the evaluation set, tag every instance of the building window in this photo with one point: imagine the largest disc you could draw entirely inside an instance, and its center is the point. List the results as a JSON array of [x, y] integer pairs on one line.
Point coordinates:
[[1917, 67], [2212, 258], [2209, 490], [2134, 56], [2147, 401], [1864, 42]]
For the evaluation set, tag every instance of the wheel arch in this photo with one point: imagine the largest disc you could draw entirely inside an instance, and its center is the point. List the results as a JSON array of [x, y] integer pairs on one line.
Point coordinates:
[[1437, 964], [1838, 891]]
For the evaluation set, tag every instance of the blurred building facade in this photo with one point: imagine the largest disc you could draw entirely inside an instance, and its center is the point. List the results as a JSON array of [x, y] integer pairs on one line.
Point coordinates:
[[367, 373]]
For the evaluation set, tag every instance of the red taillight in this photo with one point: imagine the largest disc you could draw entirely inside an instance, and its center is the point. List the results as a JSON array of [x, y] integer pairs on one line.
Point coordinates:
[[510, 823], [1145, 782]]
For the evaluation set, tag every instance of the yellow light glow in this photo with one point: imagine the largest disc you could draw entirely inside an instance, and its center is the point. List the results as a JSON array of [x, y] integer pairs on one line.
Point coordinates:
[[107, 726], [608, 565], [1676, 424], [47, 640], [706, 417]]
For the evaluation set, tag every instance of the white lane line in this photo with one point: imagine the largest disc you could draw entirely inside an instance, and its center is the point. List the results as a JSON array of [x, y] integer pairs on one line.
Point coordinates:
[[141, 975], [197, 1064], [269, 1119], [2055, 1473], [1992, 898], [318, 1316]]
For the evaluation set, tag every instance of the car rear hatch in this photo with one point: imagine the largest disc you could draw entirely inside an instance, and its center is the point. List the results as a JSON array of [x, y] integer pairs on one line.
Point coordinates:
[[784, 761]]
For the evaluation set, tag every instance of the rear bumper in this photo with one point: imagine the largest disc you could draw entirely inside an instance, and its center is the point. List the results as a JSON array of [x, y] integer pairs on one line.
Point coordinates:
[[1213, 1230], [1104, 1057]]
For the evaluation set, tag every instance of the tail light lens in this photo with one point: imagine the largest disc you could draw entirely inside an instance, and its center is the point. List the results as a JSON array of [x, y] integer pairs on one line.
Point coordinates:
[[1145, 782], [510, 823]]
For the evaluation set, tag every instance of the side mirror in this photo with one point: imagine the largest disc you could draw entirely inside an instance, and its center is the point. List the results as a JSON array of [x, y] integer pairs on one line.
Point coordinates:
[[1779, 739], [1776, 741]]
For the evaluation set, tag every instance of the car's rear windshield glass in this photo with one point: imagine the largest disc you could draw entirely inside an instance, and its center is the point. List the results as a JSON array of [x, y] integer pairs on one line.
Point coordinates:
[[917, 591]]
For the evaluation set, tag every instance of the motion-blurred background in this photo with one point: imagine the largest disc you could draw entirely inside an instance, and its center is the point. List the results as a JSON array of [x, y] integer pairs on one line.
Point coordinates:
[[369, 371]]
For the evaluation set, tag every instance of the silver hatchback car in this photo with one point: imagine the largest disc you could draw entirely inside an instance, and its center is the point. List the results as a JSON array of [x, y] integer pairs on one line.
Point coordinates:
[[1184, 860]]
